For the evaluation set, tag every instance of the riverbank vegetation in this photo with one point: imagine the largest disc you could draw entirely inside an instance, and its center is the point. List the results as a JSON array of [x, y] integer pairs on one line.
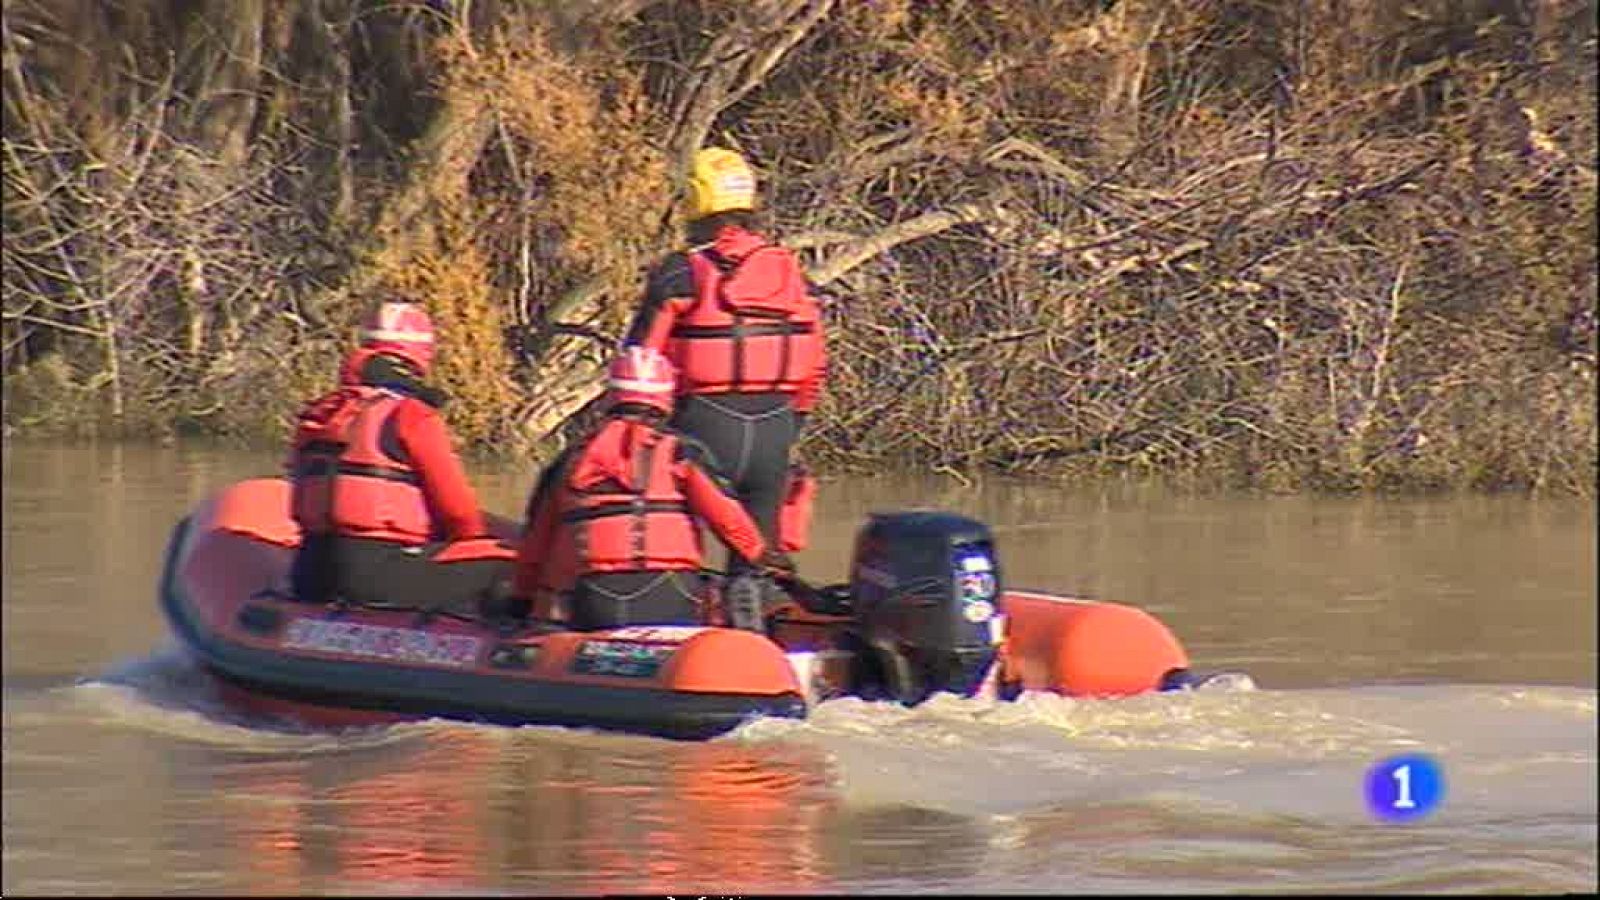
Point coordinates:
[[1332, 244]]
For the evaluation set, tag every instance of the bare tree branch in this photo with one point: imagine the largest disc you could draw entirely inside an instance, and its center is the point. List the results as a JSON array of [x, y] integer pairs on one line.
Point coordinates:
[[925, 225], [734, 64]]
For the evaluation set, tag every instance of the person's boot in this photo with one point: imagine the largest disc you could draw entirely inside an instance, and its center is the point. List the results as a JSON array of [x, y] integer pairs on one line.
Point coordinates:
[[742, 597], [502, 611]]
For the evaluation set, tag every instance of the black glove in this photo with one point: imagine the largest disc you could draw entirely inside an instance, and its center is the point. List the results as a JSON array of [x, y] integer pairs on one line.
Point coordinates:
[[774, 562]]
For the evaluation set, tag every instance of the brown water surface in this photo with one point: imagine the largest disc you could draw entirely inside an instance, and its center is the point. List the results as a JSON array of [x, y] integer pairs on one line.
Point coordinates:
[[1463, 627]]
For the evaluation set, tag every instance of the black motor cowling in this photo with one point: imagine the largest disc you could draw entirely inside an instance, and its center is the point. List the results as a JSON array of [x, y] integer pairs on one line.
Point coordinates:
[[925, 588]]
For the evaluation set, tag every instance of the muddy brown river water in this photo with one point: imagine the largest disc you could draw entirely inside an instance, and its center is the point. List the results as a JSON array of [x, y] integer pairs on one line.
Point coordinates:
[[1460, 627]]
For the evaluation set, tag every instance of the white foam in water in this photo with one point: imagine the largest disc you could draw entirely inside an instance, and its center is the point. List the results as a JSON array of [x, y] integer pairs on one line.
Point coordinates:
[[1223, 753], [1266, 753], [1216, 787], [122, 705], [167, 693], [1227, 683]]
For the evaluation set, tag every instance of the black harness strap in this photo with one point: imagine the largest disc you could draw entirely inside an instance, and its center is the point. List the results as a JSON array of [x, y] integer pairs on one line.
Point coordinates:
[[643, 462], [623, 508], [751, 329], [317, 466]]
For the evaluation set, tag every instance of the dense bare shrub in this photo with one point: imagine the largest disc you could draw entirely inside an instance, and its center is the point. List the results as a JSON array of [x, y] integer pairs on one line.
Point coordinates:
[[1342, 244]]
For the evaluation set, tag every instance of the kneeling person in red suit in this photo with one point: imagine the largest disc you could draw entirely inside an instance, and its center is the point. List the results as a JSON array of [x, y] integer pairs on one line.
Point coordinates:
[[613, 521], [385, 509]]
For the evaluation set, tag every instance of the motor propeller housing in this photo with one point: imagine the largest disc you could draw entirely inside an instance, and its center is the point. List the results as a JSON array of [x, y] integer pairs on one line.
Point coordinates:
[[925, 589]]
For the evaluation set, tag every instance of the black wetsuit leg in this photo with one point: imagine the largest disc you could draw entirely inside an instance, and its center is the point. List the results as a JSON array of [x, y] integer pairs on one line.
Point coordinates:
[[750, 436], [374, 572], [311, 573]]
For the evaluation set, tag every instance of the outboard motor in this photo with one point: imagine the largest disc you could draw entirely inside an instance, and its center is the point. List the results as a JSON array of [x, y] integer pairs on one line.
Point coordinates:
[[925, 588]]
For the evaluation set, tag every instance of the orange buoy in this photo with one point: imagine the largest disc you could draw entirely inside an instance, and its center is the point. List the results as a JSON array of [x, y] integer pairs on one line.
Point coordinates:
[[1086, 649]]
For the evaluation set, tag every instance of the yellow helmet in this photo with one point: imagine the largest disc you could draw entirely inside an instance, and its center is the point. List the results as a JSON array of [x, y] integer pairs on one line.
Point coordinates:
[[721, 181]]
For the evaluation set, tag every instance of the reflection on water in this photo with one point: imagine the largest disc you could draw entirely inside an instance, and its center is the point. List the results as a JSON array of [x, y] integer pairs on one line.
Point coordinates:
[[136, 783], [1056, 795], [903, 844], [450, 806]]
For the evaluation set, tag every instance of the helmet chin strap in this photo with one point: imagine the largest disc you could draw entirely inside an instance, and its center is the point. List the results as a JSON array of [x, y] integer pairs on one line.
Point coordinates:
[[406, 366], [637, 411]]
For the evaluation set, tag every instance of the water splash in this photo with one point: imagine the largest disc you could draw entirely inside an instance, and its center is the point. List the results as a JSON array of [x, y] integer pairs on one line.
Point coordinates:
[[1231, 745], [168, 693]]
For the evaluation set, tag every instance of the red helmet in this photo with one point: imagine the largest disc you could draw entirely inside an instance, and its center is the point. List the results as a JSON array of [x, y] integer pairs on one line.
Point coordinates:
[[403, 329], [643, 376]]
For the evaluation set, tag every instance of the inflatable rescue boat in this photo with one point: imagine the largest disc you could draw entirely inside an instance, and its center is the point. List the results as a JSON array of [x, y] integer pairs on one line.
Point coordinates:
[[925, 610]]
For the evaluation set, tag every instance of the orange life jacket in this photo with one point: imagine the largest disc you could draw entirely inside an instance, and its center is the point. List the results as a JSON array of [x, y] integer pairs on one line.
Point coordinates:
[[344, 483], [752, 328], [620, 505]]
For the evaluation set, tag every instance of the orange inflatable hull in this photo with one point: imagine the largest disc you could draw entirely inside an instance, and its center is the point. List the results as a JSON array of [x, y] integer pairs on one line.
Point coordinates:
[[225, 593]]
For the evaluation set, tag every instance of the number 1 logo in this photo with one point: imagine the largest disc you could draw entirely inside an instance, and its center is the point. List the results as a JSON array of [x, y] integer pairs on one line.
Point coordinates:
[[1403, 788], [1402, 797]]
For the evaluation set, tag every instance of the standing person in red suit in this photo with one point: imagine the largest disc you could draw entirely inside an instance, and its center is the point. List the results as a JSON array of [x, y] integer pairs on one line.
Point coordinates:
[[738, 320], [384, 506], [613, 522]]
